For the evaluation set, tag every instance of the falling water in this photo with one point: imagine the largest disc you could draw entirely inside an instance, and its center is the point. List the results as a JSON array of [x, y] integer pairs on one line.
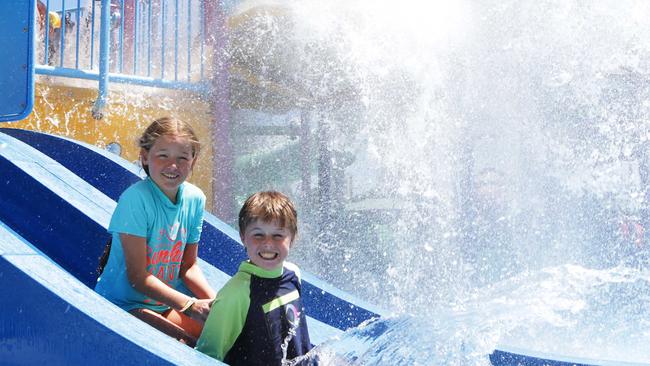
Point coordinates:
[[488, 170]]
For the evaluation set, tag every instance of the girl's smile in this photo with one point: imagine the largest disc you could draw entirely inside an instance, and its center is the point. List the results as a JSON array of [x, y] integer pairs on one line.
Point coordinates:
[[170, 161]]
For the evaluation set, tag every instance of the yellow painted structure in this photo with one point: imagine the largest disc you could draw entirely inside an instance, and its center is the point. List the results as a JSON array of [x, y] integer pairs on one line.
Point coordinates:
[[63, 107]]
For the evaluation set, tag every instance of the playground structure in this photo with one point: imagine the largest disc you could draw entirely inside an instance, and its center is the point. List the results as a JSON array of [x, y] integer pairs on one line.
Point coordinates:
[[52, 187]]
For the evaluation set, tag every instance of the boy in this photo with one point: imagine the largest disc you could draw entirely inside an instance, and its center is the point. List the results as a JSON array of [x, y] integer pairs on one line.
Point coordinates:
[[258, 317]]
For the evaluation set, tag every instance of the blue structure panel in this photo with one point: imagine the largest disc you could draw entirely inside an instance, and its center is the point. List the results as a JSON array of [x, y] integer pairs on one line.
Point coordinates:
[[46, 330], [17, 61], [42, 218], [98, 170]]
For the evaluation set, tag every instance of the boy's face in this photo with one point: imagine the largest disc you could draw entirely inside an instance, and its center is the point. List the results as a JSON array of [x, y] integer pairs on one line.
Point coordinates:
[[267, 243]]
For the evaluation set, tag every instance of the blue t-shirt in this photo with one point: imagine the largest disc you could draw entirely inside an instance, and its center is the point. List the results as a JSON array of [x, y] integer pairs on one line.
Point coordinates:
[[144, 210]]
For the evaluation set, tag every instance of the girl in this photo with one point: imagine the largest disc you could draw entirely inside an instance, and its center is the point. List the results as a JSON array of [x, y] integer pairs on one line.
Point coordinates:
[[155, 232]]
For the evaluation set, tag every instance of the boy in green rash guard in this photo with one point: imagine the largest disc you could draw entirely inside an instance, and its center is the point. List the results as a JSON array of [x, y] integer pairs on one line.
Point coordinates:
[[258, 317]]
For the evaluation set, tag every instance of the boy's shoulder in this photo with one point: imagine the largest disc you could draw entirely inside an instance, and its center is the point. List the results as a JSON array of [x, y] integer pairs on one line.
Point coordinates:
[[293, 268], [237, 286]]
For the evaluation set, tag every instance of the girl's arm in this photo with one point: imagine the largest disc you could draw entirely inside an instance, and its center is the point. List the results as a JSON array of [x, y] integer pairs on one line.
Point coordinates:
[[193, 276], [195, 281], [135, 256]]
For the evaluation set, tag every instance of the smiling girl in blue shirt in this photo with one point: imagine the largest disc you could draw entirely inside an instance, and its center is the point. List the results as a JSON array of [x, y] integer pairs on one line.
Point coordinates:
[[155, 231]]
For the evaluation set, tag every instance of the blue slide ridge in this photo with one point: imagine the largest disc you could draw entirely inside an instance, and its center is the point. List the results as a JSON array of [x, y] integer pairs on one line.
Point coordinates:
[[46, 323], [40, 217], [501, 358]]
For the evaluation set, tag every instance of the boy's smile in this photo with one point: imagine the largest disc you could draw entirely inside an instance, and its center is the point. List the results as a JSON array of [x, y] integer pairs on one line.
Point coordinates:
[[267, 244]]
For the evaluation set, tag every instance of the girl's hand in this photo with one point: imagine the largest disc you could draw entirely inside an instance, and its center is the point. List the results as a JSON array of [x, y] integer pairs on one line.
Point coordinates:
[[200, 310]]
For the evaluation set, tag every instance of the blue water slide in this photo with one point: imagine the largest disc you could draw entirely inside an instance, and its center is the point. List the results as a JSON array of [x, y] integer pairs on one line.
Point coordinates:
[[56, 198], [221, 247], [54, 220]]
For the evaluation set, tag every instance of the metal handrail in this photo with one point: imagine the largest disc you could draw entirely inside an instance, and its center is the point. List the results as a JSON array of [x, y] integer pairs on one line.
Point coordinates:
[[134, 44]]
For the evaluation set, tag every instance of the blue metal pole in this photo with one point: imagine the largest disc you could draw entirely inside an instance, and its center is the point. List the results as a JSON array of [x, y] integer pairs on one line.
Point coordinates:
[[76, 63], [136, 29], [92, 38], [47, 32], [201, 88], [62, 34], [176, 40], [104, 54], [121, 36], [149, 39], [202, 11], [189, 40], [163, 40]]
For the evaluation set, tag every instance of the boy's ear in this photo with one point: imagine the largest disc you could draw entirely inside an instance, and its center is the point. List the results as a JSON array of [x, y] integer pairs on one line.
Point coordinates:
[[293, 240]]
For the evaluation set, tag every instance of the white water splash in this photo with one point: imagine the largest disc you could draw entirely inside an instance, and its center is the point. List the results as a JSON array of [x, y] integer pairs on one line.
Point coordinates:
[[566, 310]]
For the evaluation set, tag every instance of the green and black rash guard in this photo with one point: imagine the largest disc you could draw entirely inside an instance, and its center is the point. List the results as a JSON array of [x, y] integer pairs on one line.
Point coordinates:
[[255, 313]]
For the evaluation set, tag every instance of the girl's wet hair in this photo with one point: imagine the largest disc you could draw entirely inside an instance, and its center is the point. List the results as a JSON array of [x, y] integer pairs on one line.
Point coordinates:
[[269, 206], [171, 127]]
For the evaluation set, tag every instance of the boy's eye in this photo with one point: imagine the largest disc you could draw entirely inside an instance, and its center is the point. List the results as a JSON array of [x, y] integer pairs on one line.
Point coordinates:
[[278, 236]]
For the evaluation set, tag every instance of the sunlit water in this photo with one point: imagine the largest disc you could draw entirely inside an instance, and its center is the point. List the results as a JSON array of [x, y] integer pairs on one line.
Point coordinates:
[[488, 162], [489, 171], [565, 310]]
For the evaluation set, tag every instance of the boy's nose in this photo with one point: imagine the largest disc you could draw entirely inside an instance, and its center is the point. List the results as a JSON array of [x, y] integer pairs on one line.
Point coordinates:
[[268, 240]]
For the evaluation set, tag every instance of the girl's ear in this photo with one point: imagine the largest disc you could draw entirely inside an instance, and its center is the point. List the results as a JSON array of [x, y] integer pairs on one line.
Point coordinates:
[[143, 157]]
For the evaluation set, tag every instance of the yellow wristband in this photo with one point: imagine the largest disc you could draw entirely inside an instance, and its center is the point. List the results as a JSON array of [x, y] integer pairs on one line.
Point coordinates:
[[188, 304]]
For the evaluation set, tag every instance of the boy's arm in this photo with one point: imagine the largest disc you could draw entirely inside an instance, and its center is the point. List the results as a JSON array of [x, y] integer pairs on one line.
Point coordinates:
[[226, 320]]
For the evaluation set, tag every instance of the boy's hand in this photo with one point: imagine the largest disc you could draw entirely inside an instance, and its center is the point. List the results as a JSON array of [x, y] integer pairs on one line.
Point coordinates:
[[200, 310]]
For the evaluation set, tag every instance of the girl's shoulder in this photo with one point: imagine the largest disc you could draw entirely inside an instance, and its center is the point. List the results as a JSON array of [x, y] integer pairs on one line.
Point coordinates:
[[138, 189], [190, 191]]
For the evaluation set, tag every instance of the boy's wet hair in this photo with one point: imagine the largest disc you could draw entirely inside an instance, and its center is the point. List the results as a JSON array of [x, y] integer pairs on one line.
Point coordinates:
[[172, 127], [269, 206]]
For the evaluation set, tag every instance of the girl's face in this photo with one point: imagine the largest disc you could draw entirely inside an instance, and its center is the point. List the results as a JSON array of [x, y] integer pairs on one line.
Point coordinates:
[[267, 244], [170, 162]]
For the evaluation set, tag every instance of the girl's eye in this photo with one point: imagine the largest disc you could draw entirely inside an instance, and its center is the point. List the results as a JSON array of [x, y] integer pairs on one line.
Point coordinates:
[[278, 236]]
